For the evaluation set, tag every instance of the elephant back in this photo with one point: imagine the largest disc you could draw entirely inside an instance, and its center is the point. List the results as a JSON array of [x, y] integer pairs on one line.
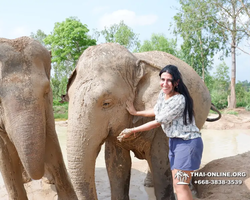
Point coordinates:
[[195, 85]]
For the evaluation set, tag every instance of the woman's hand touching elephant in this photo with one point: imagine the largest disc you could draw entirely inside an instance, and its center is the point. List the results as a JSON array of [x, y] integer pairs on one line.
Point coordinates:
[[130, 107], [145, 113], [125, 134]]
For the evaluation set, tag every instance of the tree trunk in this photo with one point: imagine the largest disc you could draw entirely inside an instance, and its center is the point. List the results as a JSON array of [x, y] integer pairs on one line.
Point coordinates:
[[232, 99], [232, 102]]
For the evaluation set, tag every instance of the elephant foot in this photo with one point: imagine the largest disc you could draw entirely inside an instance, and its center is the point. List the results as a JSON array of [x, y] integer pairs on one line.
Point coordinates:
[[148, 181], [48, 178], [25, 177]]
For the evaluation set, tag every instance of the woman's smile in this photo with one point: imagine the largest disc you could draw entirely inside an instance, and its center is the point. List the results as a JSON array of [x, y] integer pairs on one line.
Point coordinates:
[[166, 83]]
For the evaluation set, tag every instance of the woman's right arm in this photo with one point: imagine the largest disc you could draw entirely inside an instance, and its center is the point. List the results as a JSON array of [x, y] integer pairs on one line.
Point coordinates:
[[145, 113]]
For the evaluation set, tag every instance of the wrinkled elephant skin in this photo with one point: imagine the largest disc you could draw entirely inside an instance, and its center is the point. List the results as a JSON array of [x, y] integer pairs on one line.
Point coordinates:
[[106, 76], [28, 140]]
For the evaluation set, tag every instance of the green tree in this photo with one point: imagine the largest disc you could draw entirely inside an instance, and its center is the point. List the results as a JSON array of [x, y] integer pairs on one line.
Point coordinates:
[[159, 42], [227, 15], [221, 77], [67, 42], [246, 85], [199, 46], [220, 89], [121, 34], [242, 94], [39, 36]]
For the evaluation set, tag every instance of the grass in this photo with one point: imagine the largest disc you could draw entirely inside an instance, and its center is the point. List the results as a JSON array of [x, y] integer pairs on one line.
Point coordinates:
[[225, 111], [231, 112], [60, 111]]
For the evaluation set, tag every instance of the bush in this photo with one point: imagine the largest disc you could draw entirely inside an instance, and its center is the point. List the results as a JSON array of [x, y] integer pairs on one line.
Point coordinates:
[[240, 104], [219, 99], [60, 110], [248, 107]]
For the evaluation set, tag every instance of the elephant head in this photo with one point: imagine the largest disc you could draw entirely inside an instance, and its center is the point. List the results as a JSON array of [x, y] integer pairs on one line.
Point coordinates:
[[105, 77], [27, 129]]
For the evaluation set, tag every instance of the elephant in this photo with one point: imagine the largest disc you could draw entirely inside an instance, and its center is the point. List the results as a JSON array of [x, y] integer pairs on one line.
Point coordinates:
[[105, 78], [28, 139]]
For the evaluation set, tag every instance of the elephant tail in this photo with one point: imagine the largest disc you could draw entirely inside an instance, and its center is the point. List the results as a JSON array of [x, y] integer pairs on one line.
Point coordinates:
[[217, 111]]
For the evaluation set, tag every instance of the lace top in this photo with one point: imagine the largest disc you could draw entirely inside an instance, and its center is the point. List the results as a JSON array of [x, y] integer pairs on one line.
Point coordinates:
[[169, 113]]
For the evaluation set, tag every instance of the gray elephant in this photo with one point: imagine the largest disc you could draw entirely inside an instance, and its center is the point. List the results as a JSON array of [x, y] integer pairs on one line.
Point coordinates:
[[28, 139], [106, 76]]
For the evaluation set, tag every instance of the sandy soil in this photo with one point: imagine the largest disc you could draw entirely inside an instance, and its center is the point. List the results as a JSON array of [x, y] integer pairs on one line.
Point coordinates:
[[230, 121], [238, 163]]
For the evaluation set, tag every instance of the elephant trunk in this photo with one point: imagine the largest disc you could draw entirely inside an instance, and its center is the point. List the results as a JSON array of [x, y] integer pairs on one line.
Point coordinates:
[[83, 146], [26, 130]]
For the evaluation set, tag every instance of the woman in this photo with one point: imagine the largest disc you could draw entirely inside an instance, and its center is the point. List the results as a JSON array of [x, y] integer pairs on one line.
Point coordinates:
[[174, 113]]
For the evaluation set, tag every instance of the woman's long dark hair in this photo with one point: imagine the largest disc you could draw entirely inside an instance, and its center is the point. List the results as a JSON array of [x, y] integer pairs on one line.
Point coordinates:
[[182, 89]]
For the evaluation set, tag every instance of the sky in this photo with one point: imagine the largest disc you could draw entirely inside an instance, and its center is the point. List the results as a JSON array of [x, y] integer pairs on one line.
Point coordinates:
[[145, 17]]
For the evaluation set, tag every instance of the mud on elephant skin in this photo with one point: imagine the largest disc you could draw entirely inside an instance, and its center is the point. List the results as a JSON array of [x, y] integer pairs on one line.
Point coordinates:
[[28, 139], [106, 76]]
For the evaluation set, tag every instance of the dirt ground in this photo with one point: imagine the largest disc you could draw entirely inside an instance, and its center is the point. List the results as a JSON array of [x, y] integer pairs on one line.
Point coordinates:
[[231, 121], [223, 189]]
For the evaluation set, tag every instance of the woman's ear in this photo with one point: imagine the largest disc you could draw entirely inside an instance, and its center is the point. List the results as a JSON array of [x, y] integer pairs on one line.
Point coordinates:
[[176, 84]]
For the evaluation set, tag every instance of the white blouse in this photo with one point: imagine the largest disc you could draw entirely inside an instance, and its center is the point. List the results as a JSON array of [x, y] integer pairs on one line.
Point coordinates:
[[169, 113]]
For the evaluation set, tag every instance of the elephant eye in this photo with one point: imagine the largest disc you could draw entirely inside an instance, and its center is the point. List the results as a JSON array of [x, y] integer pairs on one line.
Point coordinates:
[[107, 103]]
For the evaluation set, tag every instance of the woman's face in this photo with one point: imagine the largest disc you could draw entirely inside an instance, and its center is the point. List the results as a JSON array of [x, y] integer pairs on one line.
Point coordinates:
[[166, 83]]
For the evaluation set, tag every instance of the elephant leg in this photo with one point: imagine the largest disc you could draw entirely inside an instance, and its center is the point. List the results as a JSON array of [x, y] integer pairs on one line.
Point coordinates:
[[148, 181], [11, 166], [160, 168], [118, 163], [55, 166]]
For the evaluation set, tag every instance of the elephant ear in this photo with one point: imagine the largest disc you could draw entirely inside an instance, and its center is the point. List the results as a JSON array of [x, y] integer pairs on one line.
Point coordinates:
[[147, 86], [65, 97], [142, 68]]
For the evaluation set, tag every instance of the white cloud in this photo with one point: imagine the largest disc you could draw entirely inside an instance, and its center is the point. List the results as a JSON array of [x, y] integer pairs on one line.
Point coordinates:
[[19, 32], [129, 17]]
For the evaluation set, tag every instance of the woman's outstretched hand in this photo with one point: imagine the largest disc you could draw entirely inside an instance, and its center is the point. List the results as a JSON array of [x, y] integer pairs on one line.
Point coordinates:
[[130, 107], [125, 134]]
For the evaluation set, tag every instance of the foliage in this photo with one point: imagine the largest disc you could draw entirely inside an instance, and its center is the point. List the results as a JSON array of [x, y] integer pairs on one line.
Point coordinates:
[[219, 86], [204, 23], [121, 34], [60, 110], [242, 95], [248, 107], [209, 82], [201, 39], [39, 36], [228, 15], [221, 77], [159, 42], [219, 98], [231, 112], [67, 42], [246, 85]]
